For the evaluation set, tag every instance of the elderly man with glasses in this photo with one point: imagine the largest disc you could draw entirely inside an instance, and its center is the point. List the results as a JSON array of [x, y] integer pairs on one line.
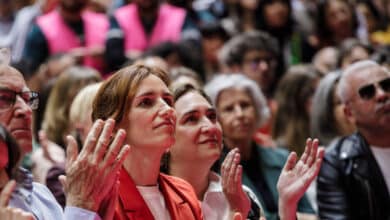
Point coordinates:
[[354, 180], [91, 176]]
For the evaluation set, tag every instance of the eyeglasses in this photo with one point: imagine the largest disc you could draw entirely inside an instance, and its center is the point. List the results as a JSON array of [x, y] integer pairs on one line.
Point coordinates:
[[367, 92], [8, 99], [256, 60]]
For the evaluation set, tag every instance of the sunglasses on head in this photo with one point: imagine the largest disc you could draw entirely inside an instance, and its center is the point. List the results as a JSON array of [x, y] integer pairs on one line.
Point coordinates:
[[368, 91], [8, 99]]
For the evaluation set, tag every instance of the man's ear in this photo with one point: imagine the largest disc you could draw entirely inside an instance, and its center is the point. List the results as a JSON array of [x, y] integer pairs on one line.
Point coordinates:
[[349, 114]]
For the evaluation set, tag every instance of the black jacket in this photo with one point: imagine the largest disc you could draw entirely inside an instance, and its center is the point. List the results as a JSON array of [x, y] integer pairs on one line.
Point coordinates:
[[350, 184]]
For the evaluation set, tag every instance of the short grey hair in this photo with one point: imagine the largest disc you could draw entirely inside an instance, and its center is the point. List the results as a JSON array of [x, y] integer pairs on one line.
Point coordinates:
[[223, 82], [343, 89]]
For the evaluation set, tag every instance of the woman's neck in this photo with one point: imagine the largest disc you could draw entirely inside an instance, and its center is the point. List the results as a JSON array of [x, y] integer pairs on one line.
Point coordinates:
[[195, 173], [143, 166], [243, 145], [3, 178]]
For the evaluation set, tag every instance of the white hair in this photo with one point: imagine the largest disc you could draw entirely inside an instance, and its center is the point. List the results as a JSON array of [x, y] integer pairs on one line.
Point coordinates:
[[82, 103], [223, 82], [343, 88]]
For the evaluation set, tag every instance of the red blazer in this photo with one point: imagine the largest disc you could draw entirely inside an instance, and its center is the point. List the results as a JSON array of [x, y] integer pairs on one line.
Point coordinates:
[[180, 199]]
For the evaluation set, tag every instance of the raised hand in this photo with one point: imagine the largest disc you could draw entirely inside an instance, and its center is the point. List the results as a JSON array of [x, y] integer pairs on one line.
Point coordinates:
[[231, 172], [92, 174], [9, 213], [296, 178]]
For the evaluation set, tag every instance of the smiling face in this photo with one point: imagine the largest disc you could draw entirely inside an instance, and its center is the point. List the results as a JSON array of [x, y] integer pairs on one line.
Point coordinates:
[[150, 121], [237, 114], [17, 119], [198, 133]]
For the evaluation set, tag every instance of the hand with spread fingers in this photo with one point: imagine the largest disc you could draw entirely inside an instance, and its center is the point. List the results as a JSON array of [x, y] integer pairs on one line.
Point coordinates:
[[231, 173], [10, 213], [296, 178], [92, 175]]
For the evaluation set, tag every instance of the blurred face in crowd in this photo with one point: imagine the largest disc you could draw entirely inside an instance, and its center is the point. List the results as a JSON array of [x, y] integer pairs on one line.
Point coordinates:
[[198, 133], [73, 5], [358, 53], [339, 18], [237, 114], [260, 67], [276, 14], [150, 121], [369, 100], [210, 48], [325, 60], [249, 4], [15, 112]]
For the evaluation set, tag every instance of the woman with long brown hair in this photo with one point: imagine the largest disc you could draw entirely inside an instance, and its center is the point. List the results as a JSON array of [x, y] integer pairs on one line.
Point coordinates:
[[139, 100]]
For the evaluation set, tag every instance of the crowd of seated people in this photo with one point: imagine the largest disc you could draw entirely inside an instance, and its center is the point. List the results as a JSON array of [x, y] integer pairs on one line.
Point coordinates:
[[193, 109]]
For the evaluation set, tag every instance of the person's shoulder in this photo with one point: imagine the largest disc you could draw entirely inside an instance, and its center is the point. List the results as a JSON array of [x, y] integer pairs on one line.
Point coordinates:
[[343, 147], [169, 6], [126, 8], [273, 157], [279, 152], [41, 190], [46, 199]]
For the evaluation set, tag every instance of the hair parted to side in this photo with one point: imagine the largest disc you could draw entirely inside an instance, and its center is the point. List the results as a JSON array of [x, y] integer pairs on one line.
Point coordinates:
[[223, 82], [115, 95], [187, 88]]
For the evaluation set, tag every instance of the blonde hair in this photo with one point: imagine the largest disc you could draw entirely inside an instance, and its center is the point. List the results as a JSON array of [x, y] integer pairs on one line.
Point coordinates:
[[82, 104], [56, 117]]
